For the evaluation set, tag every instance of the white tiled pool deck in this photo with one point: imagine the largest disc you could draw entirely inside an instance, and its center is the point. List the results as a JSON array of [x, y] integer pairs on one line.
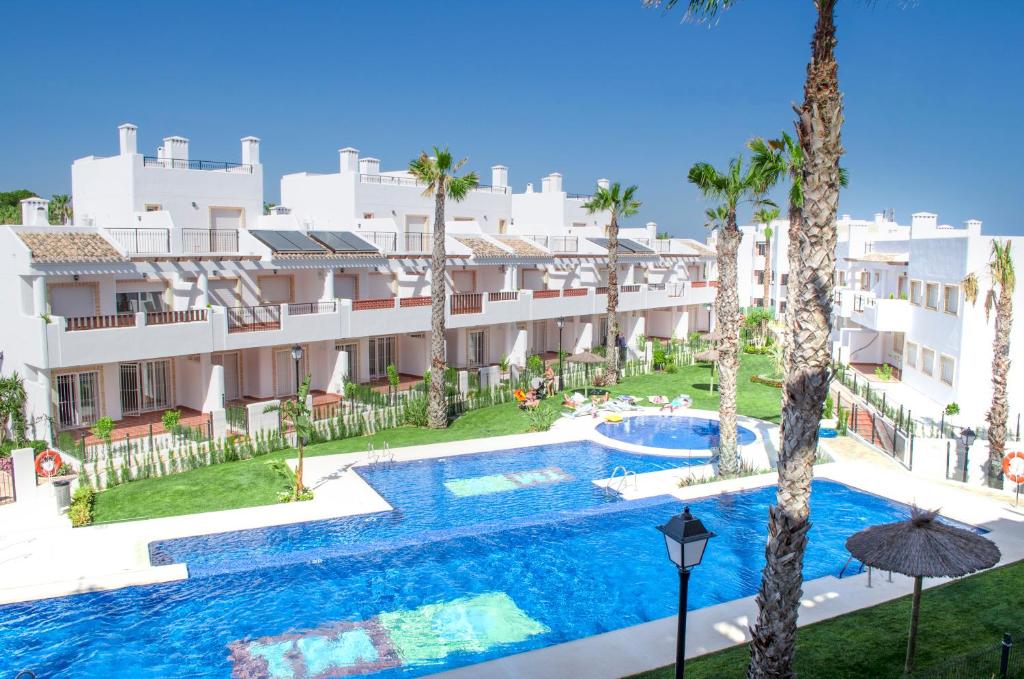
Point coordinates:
[[57, 560]]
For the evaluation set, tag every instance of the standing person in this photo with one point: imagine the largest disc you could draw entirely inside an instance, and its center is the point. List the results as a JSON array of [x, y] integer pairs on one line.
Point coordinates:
[[549, 380]]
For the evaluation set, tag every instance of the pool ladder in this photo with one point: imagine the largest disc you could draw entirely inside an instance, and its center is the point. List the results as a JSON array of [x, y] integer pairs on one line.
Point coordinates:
[[624, 479], [384, 455]]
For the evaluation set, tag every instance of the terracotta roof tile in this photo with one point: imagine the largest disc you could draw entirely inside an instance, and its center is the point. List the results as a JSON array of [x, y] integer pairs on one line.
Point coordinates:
[[482, 247], [54, 247], [522, 247]]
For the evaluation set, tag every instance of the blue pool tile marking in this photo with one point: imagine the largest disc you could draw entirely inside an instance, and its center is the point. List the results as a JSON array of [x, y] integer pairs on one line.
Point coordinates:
[[572, 559]]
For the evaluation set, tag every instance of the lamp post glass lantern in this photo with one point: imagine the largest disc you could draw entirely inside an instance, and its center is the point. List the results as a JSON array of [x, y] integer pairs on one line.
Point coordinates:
[[297, 357], [686, 538], [561, 324]]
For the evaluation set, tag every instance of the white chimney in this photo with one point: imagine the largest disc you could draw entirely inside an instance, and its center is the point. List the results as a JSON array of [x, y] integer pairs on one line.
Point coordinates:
[[250, 151], [554, 182], [879, 217], [35, 212], [349, 159], [845, 218], [922, 223], [529, 187], [369, 166], [176, 148], [127, 136], [603, 183], [652, 230], [499, 175], [973, 227]]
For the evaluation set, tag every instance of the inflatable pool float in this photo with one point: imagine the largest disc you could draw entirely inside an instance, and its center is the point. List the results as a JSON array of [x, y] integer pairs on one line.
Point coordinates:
[[613, 417]]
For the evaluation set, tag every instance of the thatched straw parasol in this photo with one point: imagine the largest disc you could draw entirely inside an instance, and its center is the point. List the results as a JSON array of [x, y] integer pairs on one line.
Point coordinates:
[[587, 358], [922, 547], [713, 336], [709, 356]]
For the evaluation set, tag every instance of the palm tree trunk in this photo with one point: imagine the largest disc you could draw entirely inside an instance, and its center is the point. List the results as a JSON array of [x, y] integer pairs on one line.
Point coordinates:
[[767, 272], [298, 467], [437, 402], [773, 643], [727, 318], [612, 351], [998, 412]]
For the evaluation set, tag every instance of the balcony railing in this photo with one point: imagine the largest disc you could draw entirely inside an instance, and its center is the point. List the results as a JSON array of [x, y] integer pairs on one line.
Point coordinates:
[[199, 241], [169, 317], [254, 318], [99, 322], [546, 294], [578, 196], [704, 284], [306, 308], [388, 180], [629, 288], [574, 292], [503, 296], [602, 290], [385, 241], [487, 188], [414, 301], [563, 244], [183, 164], [142, 241], [467, 303], [373, 304], [419, 242]]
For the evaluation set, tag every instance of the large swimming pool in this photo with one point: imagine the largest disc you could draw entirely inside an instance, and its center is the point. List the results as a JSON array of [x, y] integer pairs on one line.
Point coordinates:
[[679, 432], [484, 556]]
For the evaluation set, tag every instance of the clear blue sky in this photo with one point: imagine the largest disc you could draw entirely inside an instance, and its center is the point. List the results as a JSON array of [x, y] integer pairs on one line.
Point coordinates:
[[934, 91]]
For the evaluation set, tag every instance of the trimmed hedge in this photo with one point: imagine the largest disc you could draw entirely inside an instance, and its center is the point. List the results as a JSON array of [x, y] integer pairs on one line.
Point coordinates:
[[767, 381], [80, 511]]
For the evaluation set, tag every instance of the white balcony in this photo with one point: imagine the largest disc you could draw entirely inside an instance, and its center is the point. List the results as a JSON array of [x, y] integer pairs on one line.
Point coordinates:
[[883, 315]]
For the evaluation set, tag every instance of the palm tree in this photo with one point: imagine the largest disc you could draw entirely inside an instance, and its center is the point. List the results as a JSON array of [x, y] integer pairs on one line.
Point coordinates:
[[60, 209], [296, 412], [809, 310], [731, 187], [766, 216], [437, 172], [618, 202], [1000, 270]]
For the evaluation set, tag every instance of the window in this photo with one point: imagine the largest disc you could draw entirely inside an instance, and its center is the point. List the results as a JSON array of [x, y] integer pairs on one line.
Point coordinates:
[[382, 354], [145, 386], [759, 277], [946, 369], [782, 308], [367, 215], [951, 298], [931, 295], [153, 207], [901, 287], [927, 361], [762, 249], [133, 302], [911, 354], [785, 279], [842, 279], [897, 343], [858, 302], [77, 399], [915, 293], [758, 301], [865, 280]]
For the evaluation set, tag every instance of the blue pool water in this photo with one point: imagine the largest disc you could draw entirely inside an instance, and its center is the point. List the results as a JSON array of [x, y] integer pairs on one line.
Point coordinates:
[[550, 547], [681, 432]]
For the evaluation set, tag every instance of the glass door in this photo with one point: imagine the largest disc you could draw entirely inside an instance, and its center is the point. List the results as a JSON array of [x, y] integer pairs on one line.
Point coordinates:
[[382, 354], [476, 348], [232, 385], [145, 386]]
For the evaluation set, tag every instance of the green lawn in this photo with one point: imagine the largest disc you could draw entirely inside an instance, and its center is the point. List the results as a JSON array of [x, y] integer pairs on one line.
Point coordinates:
[[956, 618], [255, 482]]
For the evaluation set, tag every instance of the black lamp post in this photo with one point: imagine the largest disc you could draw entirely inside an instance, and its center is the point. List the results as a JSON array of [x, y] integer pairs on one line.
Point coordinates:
[[685, 538], [297, 357], [964, 442], [561, 324]]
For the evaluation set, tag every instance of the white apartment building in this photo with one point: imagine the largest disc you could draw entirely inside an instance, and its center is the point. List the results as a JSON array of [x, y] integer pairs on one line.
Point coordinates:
[[899, 301], [172, 289]]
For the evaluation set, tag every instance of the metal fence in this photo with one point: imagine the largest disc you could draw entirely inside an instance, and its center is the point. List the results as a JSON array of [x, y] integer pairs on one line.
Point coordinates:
[[1002, 660]]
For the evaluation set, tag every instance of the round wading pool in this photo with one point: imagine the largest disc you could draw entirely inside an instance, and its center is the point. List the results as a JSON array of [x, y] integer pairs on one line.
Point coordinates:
[[681, 432]]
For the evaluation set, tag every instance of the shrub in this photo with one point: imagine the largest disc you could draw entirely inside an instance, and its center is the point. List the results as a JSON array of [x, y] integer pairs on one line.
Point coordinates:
[[842, 424], [171, 419], [828, 409], [416, 411], [953, 409], [884, 372], [541, 419], [66, 441], [80, 511], [658, 356], [671, 368], [504, 364], [37, 446], [392, 372], [535, 365], [103, 428], [767, 381]]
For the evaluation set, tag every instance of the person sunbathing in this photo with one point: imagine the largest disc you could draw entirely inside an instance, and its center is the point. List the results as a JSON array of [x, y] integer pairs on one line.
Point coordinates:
[[681, 401]]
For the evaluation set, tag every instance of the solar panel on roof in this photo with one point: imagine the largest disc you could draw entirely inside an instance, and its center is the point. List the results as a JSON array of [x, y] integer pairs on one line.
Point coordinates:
[[634, 246], [342, 241], [287, 241]]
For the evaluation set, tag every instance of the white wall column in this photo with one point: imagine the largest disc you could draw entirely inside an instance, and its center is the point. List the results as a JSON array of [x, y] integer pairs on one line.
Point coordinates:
[[39, 295], [328, 294], [203, 285]]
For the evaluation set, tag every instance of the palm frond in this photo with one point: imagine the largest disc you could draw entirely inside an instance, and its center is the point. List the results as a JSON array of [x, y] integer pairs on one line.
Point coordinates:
[[1001, 267], [970, 285], [697, 11], [459, 187]]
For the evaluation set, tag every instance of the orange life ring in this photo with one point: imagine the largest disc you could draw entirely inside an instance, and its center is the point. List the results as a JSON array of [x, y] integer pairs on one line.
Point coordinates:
[[48, 463], [1015, 476]]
